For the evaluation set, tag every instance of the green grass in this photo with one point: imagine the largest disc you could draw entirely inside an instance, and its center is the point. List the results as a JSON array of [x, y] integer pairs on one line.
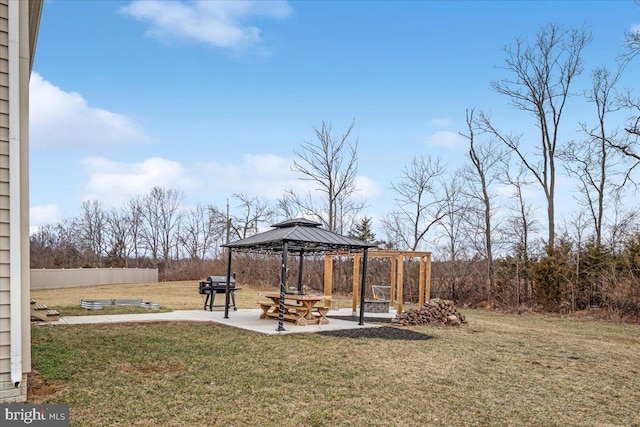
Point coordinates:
[[499, 370]]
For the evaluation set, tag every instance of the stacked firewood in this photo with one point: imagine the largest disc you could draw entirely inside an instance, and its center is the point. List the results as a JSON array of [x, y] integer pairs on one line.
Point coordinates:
[[435, 312]]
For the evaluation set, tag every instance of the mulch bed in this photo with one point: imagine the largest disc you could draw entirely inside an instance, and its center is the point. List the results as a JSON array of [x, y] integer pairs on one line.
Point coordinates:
[[383, 332]]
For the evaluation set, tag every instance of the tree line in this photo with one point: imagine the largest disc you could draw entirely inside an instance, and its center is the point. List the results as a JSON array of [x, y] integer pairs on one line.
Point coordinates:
[[478, 219]]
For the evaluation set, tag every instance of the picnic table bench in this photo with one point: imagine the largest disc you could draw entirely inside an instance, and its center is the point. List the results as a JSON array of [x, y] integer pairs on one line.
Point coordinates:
[[300, 309]]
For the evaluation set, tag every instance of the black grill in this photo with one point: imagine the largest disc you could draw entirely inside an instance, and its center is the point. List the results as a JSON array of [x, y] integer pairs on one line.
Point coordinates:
[[218, 285]]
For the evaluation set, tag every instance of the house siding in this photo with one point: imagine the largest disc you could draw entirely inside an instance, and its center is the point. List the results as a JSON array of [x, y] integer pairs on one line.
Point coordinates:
[[14, 219], [6, 392]]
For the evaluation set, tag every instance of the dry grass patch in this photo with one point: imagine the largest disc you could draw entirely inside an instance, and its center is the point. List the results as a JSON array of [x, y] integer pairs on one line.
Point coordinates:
[[499, 371], [170, 296]]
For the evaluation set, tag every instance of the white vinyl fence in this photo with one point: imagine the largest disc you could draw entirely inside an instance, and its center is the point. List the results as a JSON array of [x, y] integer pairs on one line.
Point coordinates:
[[47, 278]]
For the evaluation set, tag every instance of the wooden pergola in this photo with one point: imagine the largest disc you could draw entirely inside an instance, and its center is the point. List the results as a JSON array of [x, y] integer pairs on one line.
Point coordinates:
[[397, 274]]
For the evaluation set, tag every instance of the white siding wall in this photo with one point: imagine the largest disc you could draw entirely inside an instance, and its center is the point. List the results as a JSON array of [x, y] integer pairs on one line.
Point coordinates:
[[14, 219], [5, 315]]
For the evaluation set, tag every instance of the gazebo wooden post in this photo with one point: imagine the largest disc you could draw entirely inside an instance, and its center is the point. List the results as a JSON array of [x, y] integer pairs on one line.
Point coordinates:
[[394, 282], [428, 287], [363, 285], [400, 282], [283, 286], [421, 283], [328, 277], [356, 276]]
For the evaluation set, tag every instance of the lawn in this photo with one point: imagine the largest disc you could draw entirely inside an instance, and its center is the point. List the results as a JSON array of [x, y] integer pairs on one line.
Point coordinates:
[[170, 296], [499, 370]]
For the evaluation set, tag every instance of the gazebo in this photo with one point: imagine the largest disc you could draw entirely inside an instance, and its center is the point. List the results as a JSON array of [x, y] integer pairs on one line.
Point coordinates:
[[301, 237]]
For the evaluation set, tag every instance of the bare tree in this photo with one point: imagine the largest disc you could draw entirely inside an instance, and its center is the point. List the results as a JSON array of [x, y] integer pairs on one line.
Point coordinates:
[[419, 203], [593, 161], [203, 227], [119, 237], [481, 176], [455, 209], [632, 104], [70, 253], [624, 224], [575, 230], [170, 216], [632, 40], [331, 163], [93, 224], [286, 207], [150, 222], [44, 243], [521, 225], [632, 45], [193, 236], [540, 81], [394, 229], [161, 214], [254, 212], [628, 145], [135, 208]]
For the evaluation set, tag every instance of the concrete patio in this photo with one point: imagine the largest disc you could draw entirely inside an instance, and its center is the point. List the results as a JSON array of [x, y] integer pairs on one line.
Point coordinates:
[[248, 319]]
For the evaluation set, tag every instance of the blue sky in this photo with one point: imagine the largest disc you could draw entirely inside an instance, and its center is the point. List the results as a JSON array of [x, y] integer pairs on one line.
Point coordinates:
[[212, 98]]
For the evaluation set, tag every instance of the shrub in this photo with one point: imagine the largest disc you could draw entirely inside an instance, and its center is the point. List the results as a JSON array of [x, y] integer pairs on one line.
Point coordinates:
[[553, 276]]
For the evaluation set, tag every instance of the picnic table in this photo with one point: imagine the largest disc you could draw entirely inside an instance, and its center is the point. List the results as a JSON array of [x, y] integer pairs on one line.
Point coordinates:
[[301, 309]]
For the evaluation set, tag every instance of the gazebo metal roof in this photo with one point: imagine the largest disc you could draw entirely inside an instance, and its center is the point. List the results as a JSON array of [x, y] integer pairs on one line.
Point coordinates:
[[301, 235]]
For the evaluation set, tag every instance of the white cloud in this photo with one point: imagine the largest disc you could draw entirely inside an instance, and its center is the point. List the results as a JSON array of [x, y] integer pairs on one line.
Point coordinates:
[[263, 175], [115, 182], [59, 118], [217, 23], [45, 214], [367, 188], [266, 176], [442, 122], [446, 139]]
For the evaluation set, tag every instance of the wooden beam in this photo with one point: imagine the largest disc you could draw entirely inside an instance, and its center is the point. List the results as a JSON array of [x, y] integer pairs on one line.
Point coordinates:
[[328, 277], [428, 279], [400, 282], [421, 283], [384, 254], [356, 282], [394, 281]]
